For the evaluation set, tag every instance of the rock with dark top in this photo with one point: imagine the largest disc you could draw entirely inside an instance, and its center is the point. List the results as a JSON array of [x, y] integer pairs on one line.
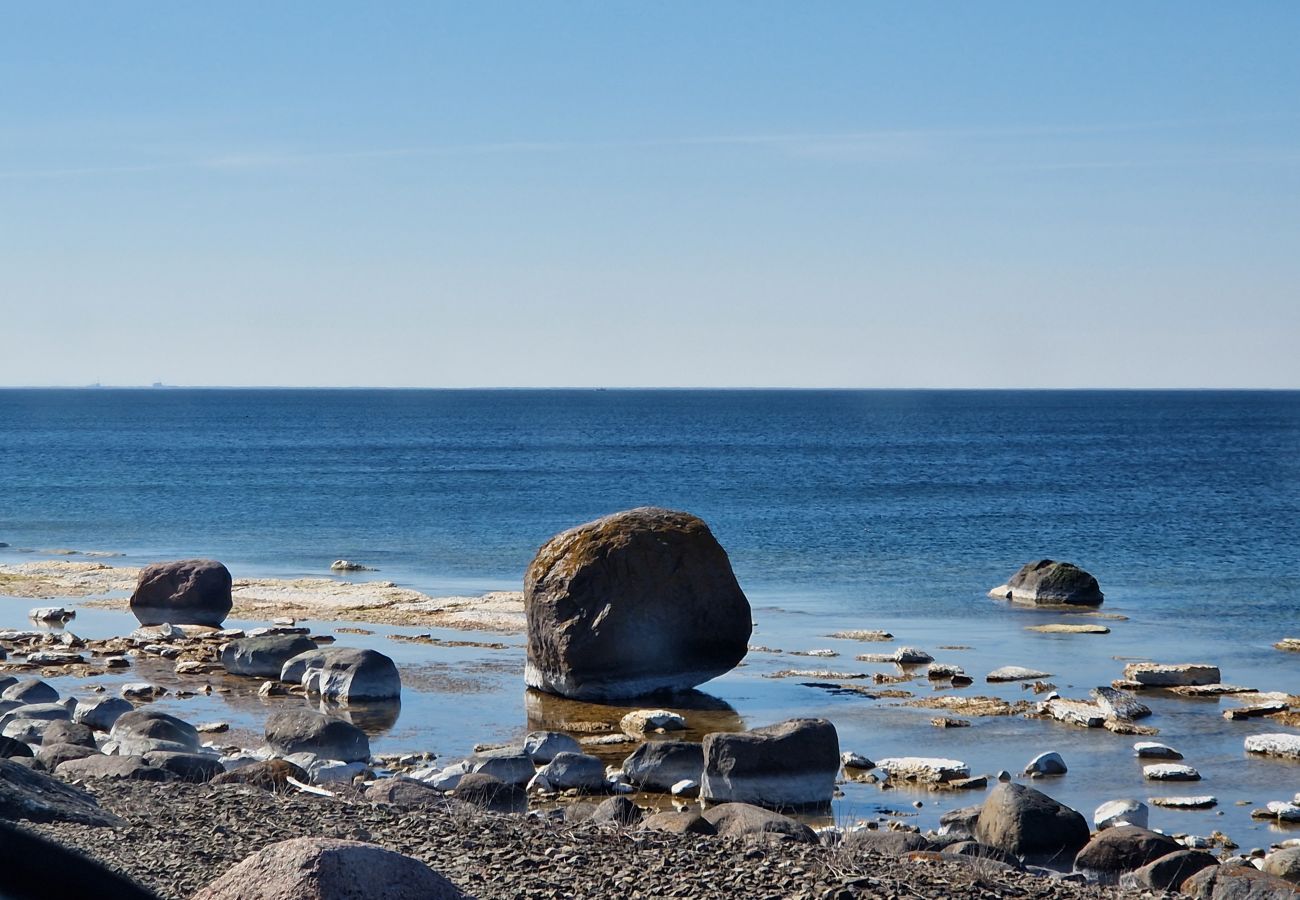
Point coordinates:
[[30, 690], [344, 674], [269, 775], [574, 772], [36, 869], [264, 657], [317, 868], [1169, 871], [132, 768], [658, 765], [1233, 882], [305, 731], [1050, 583], [640, 602], [887, 843], [30, 795], [10, 748], [65, 732], [1124, 848], [744, 820], [53, 755], [791, 764], [678, 822], [185, 592], [142, 730], [490, 793], [41, 712], [193, 767], [1031, 825]]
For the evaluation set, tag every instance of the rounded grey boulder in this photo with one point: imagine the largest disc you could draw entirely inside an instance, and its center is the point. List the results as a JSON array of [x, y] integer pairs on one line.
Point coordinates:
[[637, 603], [790, 764], [658, 765], [305, 731], [1046, 582], [185, 592], [344, 674], [142, 730], [264, 657], [30, 690], [313, 868]]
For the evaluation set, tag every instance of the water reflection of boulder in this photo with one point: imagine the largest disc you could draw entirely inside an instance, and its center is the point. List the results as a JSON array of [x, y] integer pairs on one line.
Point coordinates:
[[374, 717], [703, 712]]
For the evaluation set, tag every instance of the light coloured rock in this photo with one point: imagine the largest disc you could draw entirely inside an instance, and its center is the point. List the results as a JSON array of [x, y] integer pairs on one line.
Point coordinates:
[[347, 565], [1121, 812], [1255, 710], [646, 721], [30, 690], [1171, 674], [1074, 712], [923, 769], [851, 760], [860, 635], [1015, 673], [911, 656], [1291, 644], [52, 614], [1064, 628], [142, 691], [54, 658], [1152, 750], [1204, 801], [100, 712], [1211, 690], [943, 671], [141, 731], [344, 674], [1170, 772], [508, 764], [574, 772], [685, 788], [1119, 705], [1049, 763], [1283, 746], [542, 746]]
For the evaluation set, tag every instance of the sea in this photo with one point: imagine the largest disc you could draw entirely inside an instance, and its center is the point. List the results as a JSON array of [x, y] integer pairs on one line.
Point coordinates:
[[839, 509]]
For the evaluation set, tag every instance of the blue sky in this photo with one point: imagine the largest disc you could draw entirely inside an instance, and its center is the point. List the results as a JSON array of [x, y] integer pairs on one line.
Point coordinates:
[[675, 194]]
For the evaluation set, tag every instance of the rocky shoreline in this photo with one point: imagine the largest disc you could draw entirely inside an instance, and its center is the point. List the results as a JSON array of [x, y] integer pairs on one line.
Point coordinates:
[[178, 837]]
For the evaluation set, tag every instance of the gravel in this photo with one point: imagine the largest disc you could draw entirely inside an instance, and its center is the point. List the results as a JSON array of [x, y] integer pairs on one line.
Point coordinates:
[[178, 837]]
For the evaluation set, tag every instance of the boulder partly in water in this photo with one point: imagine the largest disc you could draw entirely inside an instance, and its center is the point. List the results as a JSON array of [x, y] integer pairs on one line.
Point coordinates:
[[185, 592], [1046, 582]]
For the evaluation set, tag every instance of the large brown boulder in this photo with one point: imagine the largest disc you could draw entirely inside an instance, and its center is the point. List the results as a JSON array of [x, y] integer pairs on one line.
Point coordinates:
[[186, 592], [1031, 825], [1124, 848], [312, 868], [1046, 582], [639, 602]]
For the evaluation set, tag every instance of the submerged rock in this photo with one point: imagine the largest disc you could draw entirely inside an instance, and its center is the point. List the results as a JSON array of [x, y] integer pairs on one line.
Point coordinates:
[[185, 592], [1046, 582], [636, 603], [793, 763]]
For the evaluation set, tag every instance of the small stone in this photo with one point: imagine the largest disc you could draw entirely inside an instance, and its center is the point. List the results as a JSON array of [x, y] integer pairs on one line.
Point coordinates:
[[142, 690], [1170, 772], [1152, 750], [1201, 802], [1046, 764]]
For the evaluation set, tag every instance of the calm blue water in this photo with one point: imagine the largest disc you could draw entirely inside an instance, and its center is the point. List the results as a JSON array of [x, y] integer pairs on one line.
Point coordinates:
[[828, 501]]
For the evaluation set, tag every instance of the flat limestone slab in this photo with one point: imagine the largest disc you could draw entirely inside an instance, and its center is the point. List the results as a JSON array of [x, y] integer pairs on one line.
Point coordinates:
[[1062, 628], [1015, 673], [1171, 674], [1075, 712], [1170, 772], [1153, 750], [1211, 690], [924, 769], [1202, 802], [1283, 746]]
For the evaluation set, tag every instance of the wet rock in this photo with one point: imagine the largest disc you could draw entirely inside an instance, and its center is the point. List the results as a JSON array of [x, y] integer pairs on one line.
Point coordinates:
[[1124, 848], [1152, 750], [30, 690], [29, 795], [1170, 772], [646, 721], [1031, 825], [1283, 746], [542, 746], [133, 768], [1171, 674], [344, 674], [1046, 582], [684, 822], [1121, 812], [315, 868], [1237, 882], [269, 775], [142, 730], [1119, 704], [574, 772], [1046, 764], [924, 769], [636, 603], [744, 820], [490, 793], [1015, 673], [185, 592], [793, 763], [658, 765], [263, 657], [305, 731], [1169, 871]]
